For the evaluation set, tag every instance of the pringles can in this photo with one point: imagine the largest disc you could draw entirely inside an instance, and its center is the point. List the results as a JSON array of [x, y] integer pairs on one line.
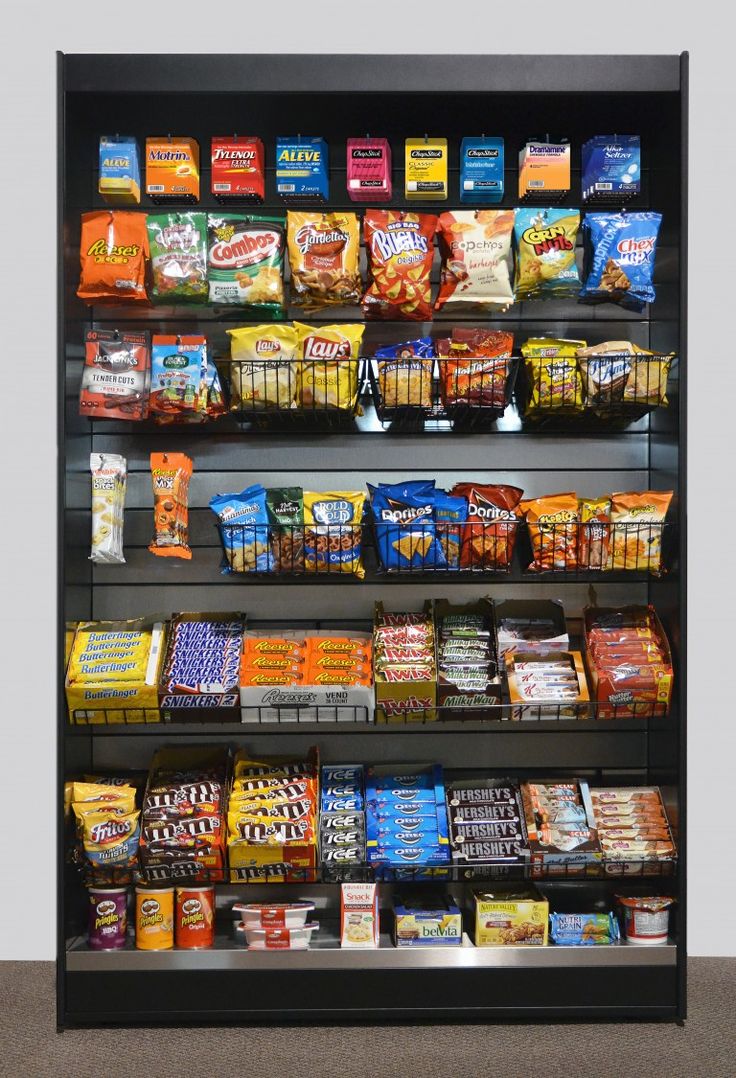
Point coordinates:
[[194, 926], [108, 918], [154, 918]]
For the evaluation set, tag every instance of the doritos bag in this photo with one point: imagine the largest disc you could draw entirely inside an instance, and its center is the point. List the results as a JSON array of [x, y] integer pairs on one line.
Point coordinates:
[[405, 529], [489, 544], [113, 251]]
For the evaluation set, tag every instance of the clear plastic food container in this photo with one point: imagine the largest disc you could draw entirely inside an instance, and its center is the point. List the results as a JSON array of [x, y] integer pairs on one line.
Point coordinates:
[[276, 939], [273, 914]]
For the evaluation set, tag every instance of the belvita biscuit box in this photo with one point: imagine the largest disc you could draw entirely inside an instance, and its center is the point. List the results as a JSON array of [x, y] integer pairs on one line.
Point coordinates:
[[426, 921], [113, 671]]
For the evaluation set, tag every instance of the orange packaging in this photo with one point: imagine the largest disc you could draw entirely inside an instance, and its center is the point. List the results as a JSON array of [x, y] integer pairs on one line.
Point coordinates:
[[637, 519], [194, 926], [113, 250], [154, 918], [355, 646], [272, 645], [595, 533], [400, 248], [170, 475], [272, 678], [553, 529], [172, 169]]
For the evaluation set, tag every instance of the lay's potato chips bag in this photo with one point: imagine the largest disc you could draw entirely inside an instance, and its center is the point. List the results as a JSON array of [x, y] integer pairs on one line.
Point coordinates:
[[328, 373], [263, 368]]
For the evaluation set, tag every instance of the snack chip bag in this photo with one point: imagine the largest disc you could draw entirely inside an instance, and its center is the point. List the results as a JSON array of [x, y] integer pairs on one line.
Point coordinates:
[[109, 475], [333, 523], [111, 840], [450, 514], [405, 373], [170, 475], [620, 252], [637, 520], [405, 529], [245, 258], [113, 251], [116, 376], [476, 260], [474, 368], [647, 380], [493, 518], [545, 253], [328, 372], [285, 507], [400, 248], [178, 245], [595, 533], [553, 530], [178, 375], [263, 368], [553, 375], [324, 249], [244, 530]]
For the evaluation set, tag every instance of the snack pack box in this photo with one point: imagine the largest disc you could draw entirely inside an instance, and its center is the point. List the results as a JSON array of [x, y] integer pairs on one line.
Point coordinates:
[[119, 180], [426, 169], [397, 700], [481, 169], [426, 920], [302, 169], [115, 665], [359, 917], [172, 169], [547, 685], [532, 625], [611, 168], [511, 915], [238, 169], [369, 169], [544, 170], [200, 670]]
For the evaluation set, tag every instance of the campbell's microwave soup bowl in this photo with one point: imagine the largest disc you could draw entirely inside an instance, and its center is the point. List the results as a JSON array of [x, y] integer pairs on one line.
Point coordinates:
[[646, 920], [276, 939], [154, 918], [108, 918], [274, 914]]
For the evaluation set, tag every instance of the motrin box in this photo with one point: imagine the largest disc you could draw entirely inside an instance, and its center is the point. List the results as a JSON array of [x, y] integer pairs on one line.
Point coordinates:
[[172, 169], [238, 169], [481, 169], [426, 168], [119, 180]]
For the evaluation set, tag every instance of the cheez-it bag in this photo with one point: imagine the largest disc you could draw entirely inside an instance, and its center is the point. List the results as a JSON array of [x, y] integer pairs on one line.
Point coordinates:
[[400, 252], [113, 252]]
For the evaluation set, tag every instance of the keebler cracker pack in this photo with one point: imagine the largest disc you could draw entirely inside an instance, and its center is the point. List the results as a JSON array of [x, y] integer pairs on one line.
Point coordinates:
[[172, 169]]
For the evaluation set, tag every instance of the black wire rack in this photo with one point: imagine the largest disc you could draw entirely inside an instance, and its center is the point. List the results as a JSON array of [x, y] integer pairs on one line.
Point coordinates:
[[316, 394]]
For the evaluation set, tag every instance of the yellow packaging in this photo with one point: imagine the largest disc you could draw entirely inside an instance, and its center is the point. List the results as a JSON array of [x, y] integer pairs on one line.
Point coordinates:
[[154, 918], [110, 839], [333, 529], [426, 169], [544, 169], [328, 373], [172, 169], [119, 679], [553, 374], [511, 915], [263, 372], [97, 791]]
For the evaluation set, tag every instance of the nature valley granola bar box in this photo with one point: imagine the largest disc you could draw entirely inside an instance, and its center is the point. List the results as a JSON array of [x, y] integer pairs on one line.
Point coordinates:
[[511, 915]]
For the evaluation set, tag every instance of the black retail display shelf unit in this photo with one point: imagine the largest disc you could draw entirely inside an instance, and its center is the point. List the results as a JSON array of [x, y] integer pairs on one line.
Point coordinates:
[[338, 97]]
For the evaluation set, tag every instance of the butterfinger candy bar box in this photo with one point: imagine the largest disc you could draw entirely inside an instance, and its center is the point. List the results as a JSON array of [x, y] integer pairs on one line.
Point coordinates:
[[113, 671], [172, 169]]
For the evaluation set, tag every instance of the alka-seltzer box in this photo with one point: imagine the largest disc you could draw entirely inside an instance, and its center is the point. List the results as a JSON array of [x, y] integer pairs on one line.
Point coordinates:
[[511, 915], [198, 696], [544, 171], [369, 169], [425, 163], [119, 180], [238, 169], [426, 921], [302, 169], [359, 923], [113, 671], [481, 169], [611, 168], [172, 169]]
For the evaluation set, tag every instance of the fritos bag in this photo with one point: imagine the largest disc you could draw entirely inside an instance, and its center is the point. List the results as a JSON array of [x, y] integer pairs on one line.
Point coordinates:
[[476, 260], [263, 368], [328, 372], [400, 249], [324, 249], [637, 519], [113, 251], [493, 518], [545, 253], [170, 475], [595, 533], [553, 529]]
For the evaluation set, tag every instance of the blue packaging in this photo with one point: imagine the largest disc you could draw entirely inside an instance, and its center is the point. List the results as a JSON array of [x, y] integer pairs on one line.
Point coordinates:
[[342, 789], [481, 169], [244, 530], [302, 169], [388, 810], [384, 831], [611, 167], [342, 804], [119, 181], [620, 249], [408, 855], [342, 773]]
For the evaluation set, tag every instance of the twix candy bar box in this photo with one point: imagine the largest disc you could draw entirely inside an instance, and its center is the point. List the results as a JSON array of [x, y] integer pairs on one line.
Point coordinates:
[[404, 665], [172, 169], [238, 169]]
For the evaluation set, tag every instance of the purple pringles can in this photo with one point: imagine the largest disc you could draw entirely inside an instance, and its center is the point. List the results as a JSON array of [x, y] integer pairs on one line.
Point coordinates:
[[108, 918]]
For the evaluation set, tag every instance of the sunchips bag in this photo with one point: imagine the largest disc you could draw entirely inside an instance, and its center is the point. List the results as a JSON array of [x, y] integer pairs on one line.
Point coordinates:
[[244, 530], [620, 252], [324, 250], [553, 530], [328, 371], [400, 247], [332, 531], [245, 259], [637, 520], [493, 518], [178, 243], [263, 370], [405, 528], [113, 251], [476, 260], [553, 375], [545, 253]]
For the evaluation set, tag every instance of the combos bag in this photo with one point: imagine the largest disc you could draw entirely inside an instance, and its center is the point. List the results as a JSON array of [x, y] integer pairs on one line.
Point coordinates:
[[328, 371], [553, 530], [620, 250], [637, 520], [113, 251], [493, 517], [245, 259], [333, 526], [263, 371], [405, 373], [323, 258], [400, 249], [244, 530], [545, 253], [406, 534], [553, 375], [178, 243], [476, 260]]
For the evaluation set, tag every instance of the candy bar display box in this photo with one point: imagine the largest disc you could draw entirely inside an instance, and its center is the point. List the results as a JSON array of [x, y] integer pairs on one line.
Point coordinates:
[[326, 359]]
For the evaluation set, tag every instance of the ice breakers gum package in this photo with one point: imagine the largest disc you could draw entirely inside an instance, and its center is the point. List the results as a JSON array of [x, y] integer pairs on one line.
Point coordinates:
[[120, 172], [620, 250], [481, 169], [611, 167], [302, 169], [369, 169]]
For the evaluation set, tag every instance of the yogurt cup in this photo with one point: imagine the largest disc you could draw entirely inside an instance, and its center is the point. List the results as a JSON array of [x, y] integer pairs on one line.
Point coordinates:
[[273, 914], [646, 920], [276, 939]]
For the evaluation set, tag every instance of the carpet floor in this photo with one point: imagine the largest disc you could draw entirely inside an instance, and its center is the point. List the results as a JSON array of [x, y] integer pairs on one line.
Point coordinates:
[[705, 1048]]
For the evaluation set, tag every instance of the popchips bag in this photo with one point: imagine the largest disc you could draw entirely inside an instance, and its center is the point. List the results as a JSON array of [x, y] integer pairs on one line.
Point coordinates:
[[545, 253], [476, 260]]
